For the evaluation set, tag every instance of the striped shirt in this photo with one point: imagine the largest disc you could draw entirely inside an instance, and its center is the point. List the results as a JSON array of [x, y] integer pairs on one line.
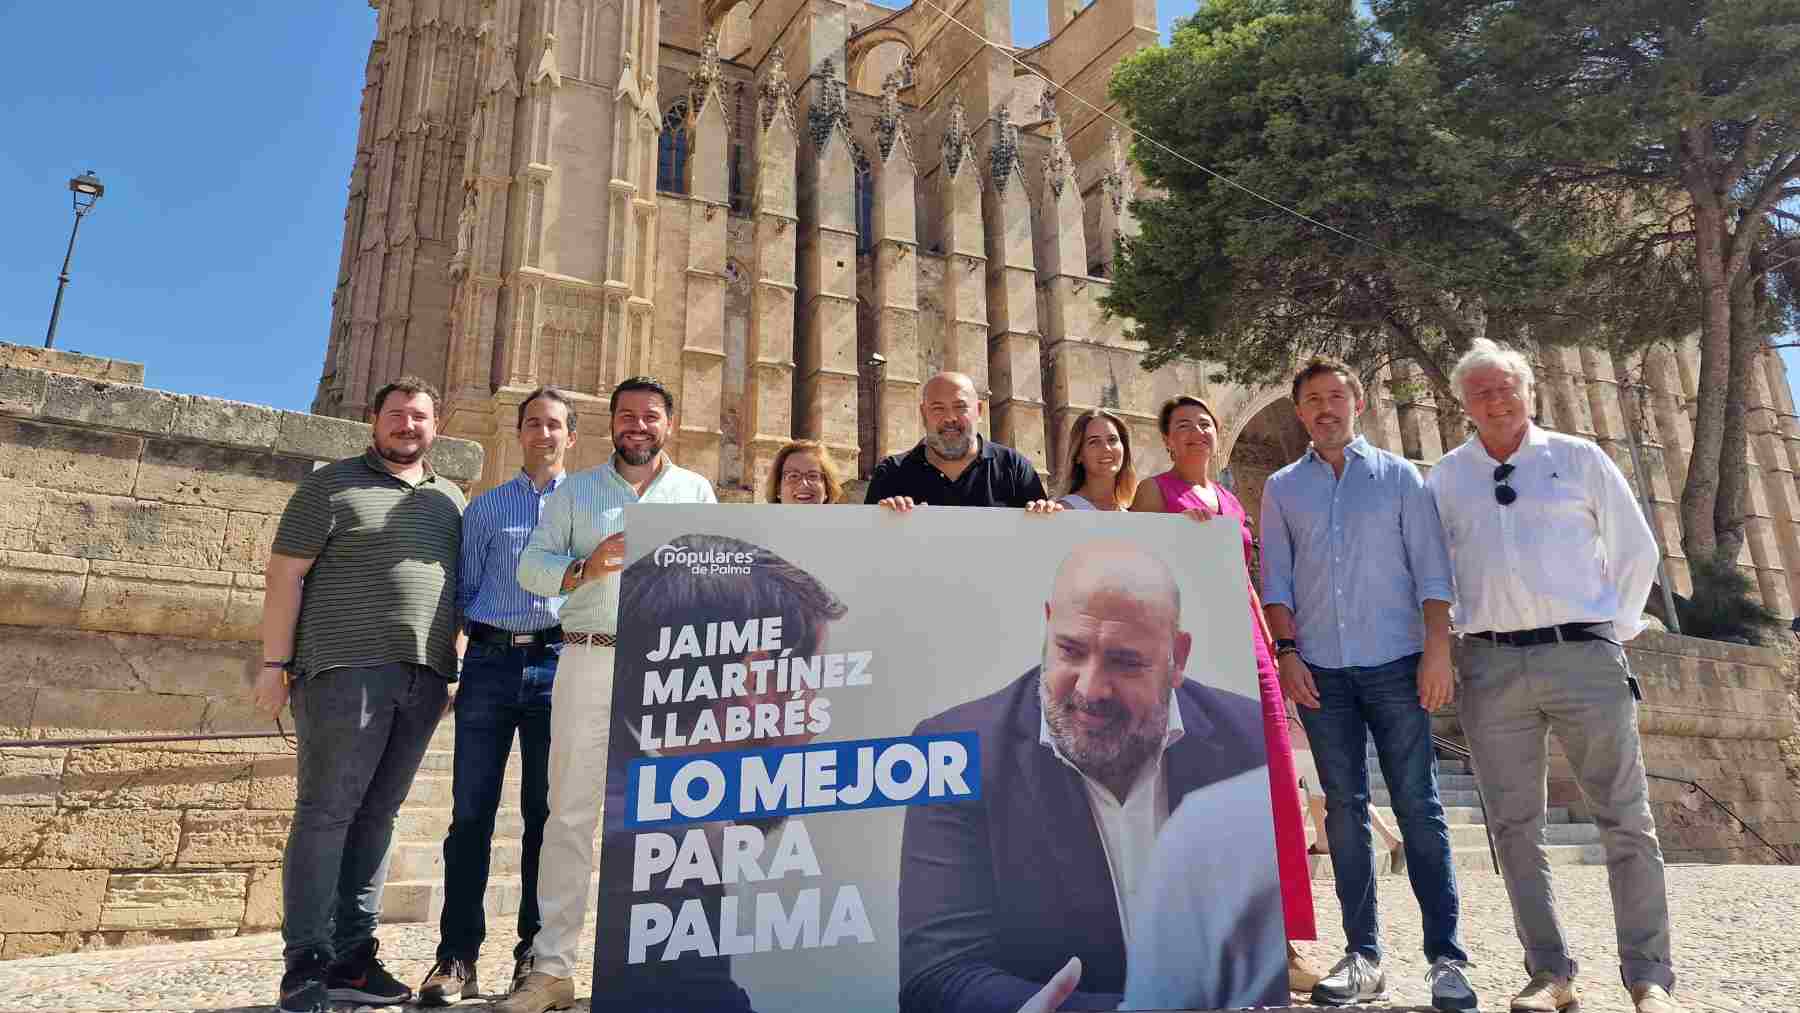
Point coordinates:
[[382, 587], [577, 517], [495, 529]]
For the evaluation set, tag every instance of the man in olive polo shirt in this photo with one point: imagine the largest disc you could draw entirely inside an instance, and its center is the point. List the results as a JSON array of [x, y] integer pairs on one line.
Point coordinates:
[[359, 625]]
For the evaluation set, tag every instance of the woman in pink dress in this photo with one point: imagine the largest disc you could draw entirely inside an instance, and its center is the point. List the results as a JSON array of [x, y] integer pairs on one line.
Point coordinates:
[[1191, 433]]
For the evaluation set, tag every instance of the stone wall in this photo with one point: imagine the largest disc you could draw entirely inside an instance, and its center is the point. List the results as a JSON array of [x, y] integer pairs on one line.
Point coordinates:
[[1715, 714], [134, 526]]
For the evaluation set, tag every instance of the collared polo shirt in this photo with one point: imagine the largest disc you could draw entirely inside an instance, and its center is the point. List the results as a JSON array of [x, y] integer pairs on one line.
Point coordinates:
[[1353, 556], [382, 588], [587, 508], [1128, 826], [998, 477], [495, 529]]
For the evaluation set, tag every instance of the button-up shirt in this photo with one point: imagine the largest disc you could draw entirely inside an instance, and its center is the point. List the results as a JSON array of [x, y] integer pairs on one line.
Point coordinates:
[[587, 508], [1354, 557], [1572, 548], [998, 477], [1128, 826], [495, 529]]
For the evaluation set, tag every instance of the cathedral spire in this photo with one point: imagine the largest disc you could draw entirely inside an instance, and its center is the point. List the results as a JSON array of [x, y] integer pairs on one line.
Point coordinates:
[[774, 95], [1004, 157], [1058, 165], [889, 126], [704, 83], [956, 137], [831, 108]]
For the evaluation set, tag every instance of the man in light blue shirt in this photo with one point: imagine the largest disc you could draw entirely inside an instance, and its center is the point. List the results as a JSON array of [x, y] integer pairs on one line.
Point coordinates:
[[577, 550], [1357, 589]]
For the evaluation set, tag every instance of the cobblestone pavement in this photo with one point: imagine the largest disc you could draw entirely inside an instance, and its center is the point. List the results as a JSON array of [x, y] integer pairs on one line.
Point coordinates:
[[1734, 942]]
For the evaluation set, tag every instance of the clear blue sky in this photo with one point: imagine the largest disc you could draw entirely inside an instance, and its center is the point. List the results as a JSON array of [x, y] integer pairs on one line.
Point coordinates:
[[224, 135]]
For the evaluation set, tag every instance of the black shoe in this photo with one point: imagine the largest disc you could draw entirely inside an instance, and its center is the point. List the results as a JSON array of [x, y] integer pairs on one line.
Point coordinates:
[[359, 977], [522, 967], [450, 981], [303, 987]]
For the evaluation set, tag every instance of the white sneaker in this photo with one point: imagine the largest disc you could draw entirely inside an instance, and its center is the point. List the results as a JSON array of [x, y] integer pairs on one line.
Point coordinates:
[[1354, 979]]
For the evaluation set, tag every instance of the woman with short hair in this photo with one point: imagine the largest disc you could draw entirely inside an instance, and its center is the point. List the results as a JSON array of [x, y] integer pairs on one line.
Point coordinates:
[[803, 473]]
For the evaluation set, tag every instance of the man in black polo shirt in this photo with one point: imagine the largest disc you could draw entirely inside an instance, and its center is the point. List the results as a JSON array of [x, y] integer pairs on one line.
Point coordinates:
[[953, 465]]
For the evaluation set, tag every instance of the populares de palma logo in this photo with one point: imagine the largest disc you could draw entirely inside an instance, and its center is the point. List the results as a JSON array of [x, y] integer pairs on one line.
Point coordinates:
[[704, 563]]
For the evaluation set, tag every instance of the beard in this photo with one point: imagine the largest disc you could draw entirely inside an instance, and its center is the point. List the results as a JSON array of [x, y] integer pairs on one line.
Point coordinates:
[[392, 453], [637, 457], [1118, 749], [952, 443]]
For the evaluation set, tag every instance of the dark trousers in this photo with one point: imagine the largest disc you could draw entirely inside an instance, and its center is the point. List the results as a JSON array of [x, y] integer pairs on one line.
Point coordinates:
[[504, 690], [362, 733], [1382, 702]]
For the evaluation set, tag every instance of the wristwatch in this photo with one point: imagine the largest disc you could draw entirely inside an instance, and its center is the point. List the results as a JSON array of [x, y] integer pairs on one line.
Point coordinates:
[[1284, 645]]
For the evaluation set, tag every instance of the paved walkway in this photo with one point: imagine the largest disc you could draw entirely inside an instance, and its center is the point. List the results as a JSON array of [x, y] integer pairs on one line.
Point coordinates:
[[1735, 928]]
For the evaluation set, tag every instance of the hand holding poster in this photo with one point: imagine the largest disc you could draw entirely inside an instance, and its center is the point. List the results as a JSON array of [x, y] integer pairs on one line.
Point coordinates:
[[872, 762]]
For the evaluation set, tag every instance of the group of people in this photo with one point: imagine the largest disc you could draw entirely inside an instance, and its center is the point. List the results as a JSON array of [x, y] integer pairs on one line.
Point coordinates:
[[384, 593]]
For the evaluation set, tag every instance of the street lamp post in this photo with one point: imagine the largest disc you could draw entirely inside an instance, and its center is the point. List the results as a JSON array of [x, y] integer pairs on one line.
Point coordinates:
[[87, 190]]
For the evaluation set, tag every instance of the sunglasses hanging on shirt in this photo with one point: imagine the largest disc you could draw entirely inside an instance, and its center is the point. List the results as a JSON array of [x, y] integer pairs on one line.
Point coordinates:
[[1504, 494]]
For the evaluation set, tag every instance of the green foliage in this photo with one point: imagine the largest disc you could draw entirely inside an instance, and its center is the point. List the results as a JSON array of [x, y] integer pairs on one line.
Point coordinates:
[[1311, 106], [1607, 85], [1725, 604]]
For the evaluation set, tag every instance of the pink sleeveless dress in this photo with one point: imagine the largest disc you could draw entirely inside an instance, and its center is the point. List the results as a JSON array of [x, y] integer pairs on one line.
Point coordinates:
[[1284, 793]]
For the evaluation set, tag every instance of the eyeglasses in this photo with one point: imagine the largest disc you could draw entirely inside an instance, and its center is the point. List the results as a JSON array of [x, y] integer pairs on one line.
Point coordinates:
[[802, 478], [1504, 494]]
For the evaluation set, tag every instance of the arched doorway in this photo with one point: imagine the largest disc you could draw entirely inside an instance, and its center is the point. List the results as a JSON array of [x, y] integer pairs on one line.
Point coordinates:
[[1272, 439]]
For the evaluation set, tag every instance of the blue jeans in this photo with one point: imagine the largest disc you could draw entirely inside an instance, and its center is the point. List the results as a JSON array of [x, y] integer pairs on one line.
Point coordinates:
[[1382, 701], [504, 689], [362, 733]]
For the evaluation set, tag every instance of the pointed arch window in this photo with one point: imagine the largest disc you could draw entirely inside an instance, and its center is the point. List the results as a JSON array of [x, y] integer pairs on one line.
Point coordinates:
[[865, 201], [672, 150]]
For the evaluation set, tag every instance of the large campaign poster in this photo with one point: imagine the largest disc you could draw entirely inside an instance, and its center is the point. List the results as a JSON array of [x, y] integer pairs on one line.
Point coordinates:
[[862, 760]]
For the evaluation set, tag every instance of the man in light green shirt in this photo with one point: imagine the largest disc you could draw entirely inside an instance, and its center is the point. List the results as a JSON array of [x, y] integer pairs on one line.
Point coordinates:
[[577, 550]]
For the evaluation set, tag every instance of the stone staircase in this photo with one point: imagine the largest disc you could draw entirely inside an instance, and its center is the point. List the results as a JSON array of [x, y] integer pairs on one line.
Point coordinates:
[[1567, 842], [415, 886]]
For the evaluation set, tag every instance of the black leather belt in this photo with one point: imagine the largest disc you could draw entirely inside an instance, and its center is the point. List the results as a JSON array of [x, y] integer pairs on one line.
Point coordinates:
[[1543, 635], [482, 633]]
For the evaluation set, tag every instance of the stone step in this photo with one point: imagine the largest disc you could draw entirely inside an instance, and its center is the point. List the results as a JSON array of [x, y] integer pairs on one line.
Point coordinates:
[[1380, 797], [444, 762], [425, 824], [1476, 860], [1446, 782], [409, 860], [1468, 815], [422, 900]]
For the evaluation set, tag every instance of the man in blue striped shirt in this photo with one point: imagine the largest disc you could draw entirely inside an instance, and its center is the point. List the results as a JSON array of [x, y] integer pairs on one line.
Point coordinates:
[[508, 667]]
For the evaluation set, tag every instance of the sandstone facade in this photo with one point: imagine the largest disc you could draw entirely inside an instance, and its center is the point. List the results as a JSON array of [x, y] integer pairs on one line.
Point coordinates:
[[792, 211]]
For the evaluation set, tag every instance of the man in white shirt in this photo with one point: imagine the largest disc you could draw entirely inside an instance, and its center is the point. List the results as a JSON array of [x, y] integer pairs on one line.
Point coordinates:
[[1553, 562]]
